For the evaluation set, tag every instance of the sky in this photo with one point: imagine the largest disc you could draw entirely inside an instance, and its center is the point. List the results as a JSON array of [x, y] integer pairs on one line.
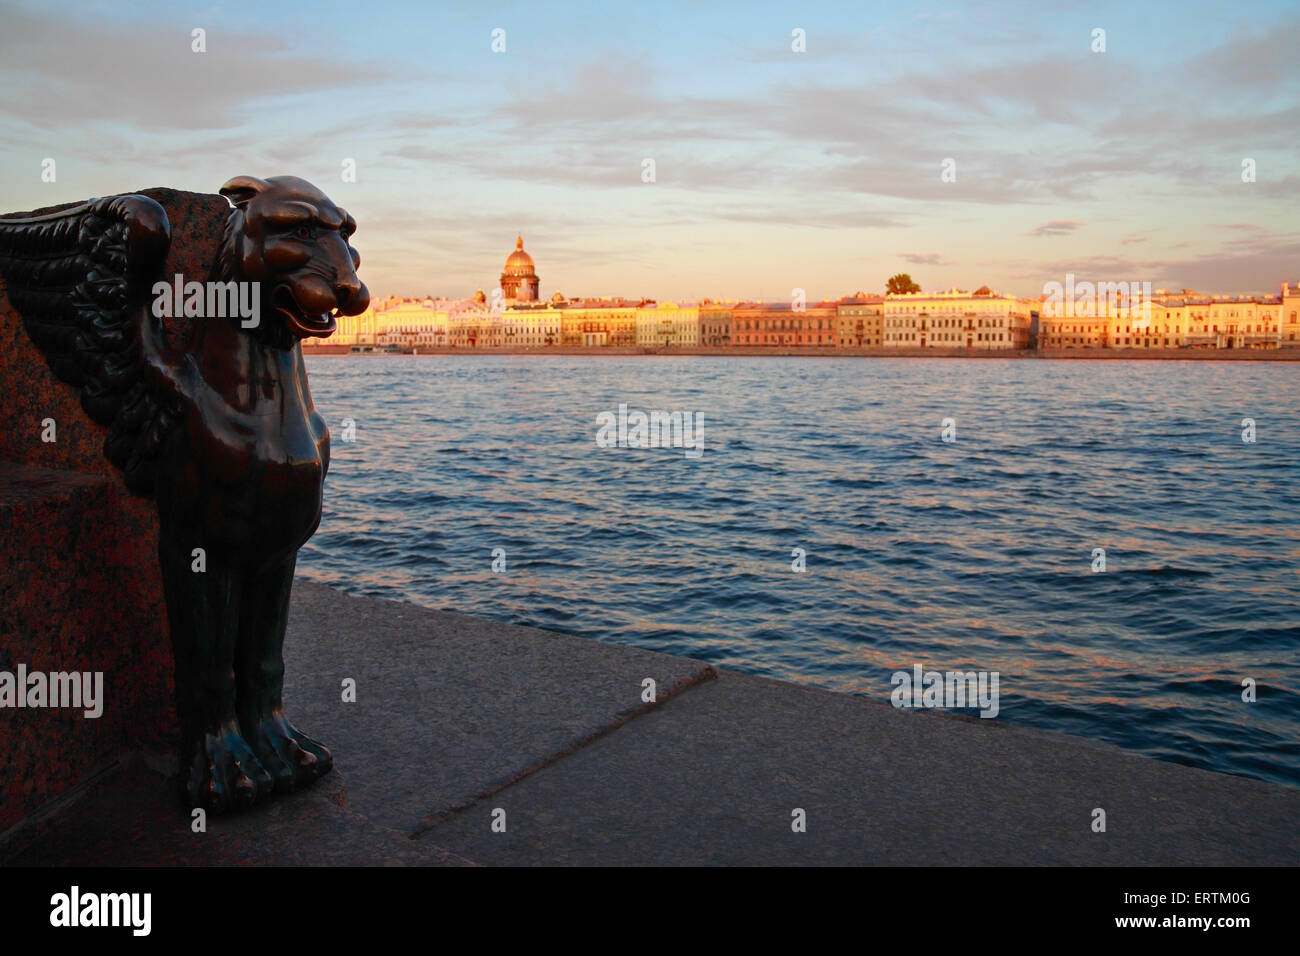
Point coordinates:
[[774, 169]]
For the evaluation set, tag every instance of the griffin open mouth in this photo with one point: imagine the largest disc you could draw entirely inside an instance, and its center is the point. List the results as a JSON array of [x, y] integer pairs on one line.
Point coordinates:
[[299, 322]]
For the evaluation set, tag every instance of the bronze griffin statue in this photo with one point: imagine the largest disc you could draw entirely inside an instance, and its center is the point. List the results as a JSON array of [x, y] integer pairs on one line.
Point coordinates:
[[212, 416]]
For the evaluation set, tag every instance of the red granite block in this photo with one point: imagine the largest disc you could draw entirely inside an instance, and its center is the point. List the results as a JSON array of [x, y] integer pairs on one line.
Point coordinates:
[[80, 591], [80, 587]]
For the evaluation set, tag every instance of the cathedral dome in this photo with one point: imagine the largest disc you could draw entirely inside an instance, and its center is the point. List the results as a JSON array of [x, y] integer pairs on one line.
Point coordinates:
[[519, 280], [519, 262]]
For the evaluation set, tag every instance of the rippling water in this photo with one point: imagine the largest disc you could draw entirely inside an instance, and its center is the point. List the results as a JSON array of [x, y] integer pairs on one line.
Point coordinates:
[[973, 555]]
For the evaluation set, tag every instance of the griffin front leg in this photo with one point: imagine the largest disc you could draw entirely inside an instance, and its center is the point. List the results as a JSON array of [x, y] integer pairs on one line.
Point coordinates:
[[222, 773], [293, 758]]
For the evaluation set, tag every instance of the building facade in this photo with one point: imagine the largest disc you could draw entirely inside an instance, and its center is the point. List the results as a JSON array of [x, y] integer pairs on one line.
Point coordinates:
[[780, 324], [667, 324], [1289, 316], [412, 323], [531, 328], [1229, 323], [1168, 320], [1091, 323], [715, 324], [589, 323], [353, 330], [980, 320], [858, 321]]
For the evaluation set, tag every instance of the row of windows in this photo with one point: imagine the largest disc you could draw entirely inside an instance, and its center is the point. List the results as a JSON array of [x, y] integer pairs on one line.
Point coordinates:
[[783, 340], [947, 324], [1135, 340], [957, 337], [781, 324], [926, 309], [1258, 328]]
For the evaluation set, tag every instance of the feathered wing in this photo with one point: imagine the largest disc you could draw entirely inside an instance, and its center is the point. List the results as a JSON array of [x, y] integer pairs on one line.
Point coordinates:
[[81, 279]]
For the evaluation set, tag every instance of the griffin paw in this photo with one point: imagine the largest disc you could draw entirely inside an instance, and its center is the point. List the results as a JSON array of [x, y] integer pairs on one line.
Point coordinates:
[[225, 775], [293, 759]]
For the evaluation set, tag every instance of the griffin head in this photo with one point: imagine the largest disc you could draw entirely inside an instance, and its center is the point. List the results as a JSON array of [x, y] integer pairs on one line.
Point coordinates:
[[288, 236]]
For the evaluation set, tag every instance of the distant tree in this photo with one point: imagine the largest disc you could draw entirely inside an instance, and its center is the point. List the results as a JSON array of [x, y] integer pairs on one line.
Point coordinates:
[[901, 284]]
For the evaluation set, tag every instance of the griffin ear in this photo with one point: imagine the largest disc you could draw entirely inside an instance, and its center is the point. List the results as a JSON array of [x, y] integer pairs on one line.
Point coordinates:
[[243, 188]]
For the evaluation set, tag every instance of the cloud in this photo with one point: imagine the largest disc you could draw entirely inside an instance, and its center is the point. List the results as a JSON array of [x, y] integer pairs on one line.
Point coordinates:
[[849, 136], [1247, 264], [59, 69], [1057, 227], [1243, 61]]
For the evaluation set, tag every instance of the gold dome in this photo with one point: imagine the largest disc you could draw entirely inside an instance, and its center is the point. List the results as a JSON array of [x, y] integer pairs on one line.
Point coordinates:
[[519, 262], [519, 280]]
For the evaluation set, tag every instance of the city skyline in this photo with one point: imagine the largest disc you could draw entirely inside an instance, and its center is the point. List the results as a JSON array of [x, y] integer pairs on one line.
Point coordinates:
[[1082, 314], [774, 169]]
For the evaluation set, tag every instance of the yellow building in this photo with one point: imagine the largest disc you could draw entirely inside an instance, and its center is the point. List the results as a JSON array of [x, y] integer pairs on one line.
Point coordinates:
[[531, 328], [600, 322], [358, 331], [667, 323], [1225, 322], [1289, 316], [471, 324], [1160, 322], [1073, 331], [956, 319], [858, 321], [1112, 321], [411, 323], [353, 330]]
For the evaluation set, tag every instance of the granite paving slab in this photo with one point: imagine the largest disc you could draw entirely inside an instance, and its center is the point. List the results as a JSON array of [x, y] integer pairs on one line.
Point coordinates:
[[714, 776], [450, 707], [132, 819]]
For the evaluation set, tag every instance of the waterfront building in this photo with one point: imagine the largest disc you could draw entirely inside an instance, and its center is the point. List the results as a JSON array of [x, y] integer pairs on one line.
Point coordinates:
[[1023, 322], [758, 323], [1234, 322], [858, 321], [519, 281], [1149, 323], [956, 319], [534, 327], [1270, 319], [1060, 327], [667, 324], [1199, 333], [588, 323], [1289, 316], [1070, 332], [780, 324], [1167, 325], [471, 324], [491, 330], [353, 330], [465, 328], [411, 323], [715, 323]]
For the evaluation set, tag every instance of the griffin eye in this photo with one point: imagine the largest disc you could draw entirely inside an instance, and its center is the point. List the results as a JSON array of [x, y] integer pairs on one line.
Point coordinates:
[[303, 232]]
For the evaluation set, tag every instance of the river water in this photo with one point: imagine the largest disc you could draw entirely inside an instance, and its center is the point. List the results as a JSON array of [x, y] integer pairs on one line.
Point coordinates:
[[976, 553]]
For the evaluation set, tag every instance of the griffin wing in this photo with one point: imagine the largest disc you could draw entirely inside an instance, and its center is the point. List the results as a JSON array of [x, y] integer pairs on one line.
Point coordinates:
[[81, 280]]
